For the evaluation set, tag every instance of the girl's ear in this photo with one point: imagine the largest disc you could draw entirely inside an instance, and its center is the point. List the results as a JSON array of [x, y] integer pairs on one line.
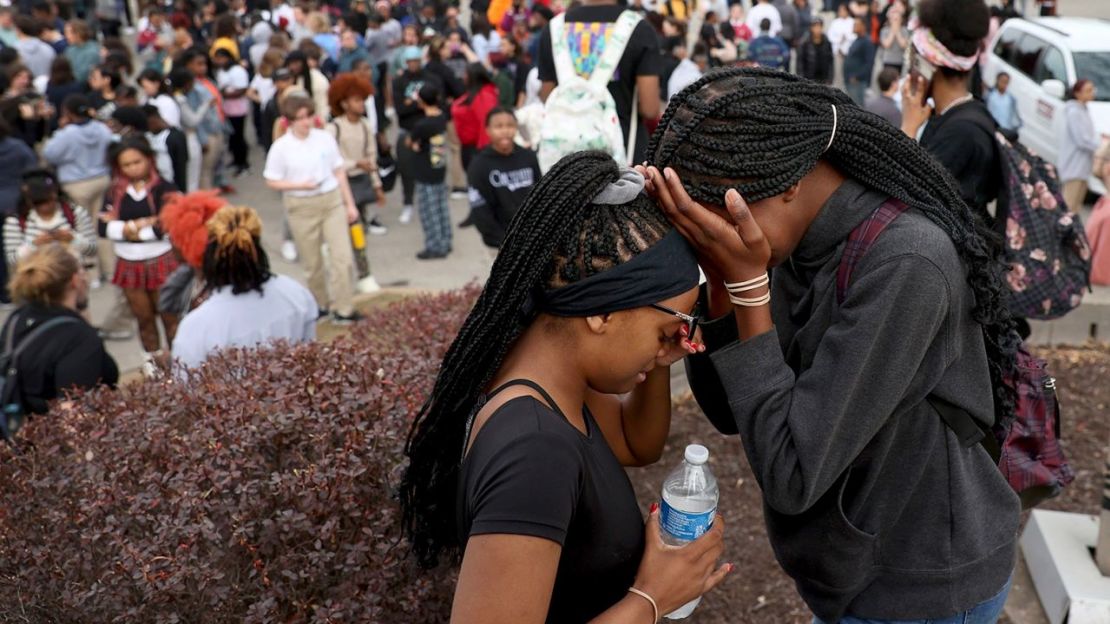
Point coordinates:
[[599, 323], [791, 193]]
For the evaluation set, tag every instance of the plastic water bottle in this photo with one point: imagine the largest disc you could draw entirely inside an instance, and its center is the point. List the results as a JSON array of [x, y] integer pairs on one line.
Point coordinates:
[[689, 504]]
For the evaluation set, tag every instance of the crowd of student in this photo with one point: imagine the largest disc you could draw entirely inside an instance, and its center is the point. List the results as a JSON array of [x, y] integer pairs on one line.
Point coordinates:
[[119, 164]]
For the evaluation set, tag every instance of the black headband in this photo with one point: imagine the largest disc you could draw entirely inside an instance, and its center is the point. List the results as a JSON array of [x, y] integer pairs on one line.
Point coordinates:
[[666, 269]]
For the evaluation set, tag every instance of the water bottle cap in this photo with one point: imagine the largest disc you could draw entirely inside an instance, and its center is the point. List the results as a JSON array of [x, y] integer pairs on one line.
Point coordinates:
[[697, 454]]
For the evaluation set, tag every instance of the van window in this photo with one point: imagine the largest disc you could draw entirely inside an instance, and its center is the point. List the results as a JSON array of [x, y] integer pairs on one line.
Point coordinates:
[[1051, 67], [1094, 66], [1028, 52], [1006, 48]]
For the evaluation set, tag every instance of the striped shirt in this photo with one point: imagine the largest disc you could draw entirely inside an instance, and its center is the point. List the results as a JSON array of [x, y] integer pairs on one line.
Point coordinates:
[[20, 241]]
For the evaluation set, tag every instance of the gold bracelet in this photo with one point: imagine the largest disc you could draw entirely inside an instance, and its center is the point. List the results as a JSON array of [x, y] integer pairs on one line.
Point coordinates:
[[654, 607]]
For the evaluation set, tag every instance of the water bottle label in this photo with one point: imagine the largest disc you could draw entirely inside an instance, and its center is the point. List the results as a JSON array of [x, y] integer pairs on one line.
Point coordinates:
[[685, 526]]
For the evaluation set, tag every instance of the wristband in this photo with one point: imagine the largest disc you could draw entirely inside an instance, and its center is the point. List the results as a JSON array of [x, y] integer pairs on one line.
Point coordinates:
[[745, 286], [750, 303], [645, 596]]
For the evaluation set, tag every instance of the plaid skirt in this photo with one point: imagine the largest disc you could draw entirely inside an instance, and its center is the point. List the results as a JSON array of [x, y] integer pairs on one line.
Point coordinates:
[[148, 275]]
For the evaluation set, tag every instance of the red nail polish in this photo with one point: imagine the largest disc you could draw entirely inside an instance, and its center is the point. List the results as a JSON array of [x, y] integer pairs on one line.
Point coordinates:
[[731, 567], [654, 507]]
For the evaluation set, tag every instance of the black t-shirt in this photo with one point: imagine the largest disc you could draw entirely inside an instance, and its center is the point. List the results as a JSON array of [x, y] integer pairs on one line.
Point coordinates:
[[963, 141], [530, 472], [641, 58], [429, 137], [499, 184]]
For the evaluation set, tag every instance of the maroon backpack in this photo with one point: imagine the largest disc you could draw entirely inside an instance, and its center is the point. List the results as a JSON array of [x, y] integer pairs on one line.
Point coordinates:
[[1027, 444]]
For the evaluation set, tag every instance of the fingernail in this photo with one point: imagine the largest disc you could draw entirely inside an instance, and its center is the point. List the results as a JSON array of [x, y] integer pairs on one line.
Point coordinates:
[[731, 567], [654, 508]]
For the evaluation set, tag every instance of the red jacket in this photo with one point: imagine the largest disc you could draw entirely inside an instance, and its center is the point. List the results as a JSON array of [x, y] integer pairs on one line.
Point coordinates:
[[469, 114]]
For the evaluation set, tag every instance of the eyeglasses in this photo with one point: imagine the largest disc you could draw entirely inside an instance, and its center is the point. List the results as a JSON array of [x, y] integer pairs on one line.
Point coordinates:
[[691, 319]]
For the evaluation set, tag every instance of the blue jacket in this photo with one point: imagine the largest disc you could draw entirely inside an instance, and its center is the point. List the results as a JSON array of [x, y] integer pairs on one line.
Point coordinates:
[[79, 151], [15, 158], [347, 59], [83, 58], [860, 60]]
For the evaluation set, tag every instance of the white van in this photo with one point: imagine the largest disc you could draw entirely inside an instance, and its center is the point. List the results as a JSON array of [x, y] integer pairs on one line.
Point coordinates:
[[1045, 56]]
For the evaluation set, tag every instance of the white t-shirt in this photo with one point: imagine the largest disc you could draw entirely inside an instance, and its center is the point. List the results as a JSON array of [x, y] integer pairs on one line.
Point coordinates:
[[284, 310], [760, 12], [312, 159], [167, 109], [265, 88], [234, 77]]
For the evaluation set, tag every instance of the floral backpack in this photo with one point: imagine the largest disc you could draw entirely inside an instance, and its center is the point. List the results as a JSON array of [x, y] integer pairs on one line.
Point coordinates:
[[1045, 245]]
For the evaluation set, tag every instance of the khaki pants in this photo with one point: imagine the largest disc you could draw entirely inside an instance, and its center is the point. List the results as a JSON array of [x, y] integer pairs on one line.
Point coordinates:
[[456, 176], [210, 160], [316, 221], [1075, 191], [89, 194]]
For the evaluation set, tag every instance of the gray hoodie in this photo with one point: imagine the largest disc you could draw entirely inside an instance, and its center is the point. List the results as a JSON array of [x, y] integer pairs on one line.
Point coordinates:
[[79, 151], [872, 504], [36, 54]]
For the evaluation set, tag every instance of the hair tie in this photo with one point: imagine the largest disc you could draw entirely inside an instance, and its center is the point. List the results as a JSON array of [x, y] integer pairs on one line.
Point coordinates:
[[833, 135], [621, 191]]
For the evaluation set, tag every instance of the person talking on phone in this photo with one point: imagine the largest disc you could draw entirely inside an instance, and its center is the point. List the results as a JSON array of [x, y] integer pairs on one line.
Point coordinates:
[[959, 130]]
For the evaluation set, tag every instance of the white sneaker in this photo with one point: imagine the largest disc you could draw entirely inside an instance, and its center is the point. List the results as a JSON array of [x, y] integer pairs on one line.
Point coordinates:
[[368, 285], [391, 112], [149, 368], [406, 215], [95, 283], [289, 251], [458, 195]]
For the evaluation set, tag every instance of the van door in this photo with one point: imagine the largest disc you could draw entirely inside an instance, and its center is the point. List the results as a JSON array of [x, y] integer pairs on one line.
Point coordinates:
[[1050, 110]]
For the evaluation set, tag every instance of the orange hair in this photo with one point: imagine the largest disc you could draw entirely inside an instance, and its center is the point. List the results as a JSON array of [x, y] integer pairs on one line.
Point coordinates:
[[184, 218], [346, 86]]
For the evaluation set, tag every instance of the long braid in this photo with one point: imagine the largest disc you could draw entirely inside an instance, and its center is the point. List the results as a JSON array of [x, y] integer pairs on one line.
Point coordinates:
[[761, 131], [557, 237]]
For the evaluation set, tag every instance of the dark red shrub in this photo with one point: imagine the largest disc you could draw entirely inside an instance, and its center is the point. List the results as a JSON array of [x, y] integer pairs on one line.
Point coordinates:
[[261, 490]]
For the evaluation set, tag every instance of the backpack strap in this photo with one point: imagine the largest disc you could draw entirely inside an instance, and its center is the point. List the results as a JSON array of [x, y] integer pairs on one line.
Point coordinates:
[[862, 239], [560, 49], [69, 214], [33, 335], [614, 48]]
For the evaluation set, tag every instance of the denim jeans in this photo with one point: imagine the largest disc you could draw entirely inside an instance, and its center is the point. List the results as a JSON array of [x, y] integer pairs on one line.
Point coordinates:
[[986, 612]]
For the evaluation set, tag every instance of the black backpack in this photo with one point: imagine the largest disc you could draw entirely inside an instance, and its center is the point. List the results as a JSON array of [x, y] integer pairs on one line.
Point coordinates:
[[12, 400]]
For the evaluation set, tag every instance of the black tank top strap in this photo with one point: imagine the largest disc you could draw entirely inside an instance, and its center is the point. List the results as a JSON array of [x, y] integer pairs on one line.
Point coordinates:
[[530, 384]]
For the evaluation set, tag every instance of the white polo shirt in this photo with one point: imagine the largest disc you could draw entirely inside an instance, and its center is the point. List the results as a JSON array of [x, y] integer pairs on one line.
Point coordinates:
[[314, 158]]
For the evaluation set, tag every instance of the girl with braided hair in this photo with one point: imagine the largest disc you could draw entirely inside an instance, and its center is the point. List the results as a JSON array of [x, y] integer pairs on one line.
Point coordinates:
[[831, 372], [244, 303], [516, 458]]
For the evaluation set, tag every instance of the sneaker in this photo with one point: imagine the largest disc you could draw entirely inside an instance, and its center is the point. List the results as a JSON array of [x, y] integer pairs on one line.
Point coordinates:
[[321, 313], [431, 255], [149, 367], [368, 285], [289, 251], [458, 194], [376, 227], [346, 319], [406, 214], [95, 283], [115, 334], [467, 222]]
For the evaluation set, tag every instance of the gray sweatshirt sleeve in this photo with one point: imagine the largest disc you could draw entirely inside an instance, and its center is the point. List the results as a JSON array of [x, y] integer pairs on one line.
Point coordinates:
[[801, 433]]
